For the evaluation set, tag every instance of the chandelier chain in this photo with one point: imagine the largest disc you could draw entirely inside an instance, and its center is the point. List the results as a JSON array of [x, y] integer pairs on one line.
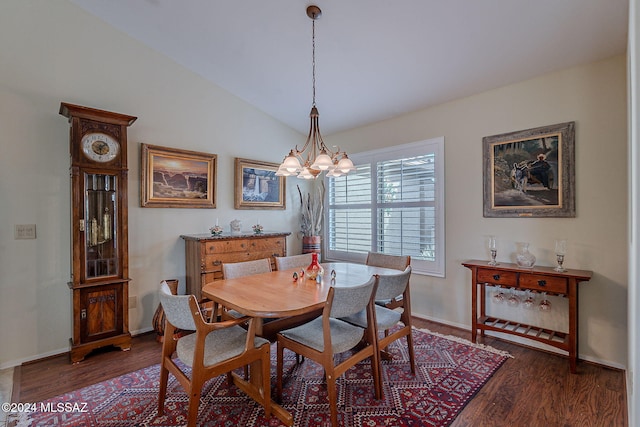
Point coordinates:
[[313, 58]]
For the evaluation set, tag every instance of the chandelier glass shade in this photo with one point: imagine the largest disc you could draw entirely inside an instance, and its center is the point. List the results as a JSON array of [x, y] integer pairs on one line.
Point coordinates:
[[315, 157]]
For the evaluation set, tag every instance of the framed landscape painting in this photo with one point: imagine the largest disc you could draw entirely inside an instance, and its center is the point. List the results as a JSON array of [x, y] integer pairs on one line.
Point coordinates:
[[530, 173], [174, 178], [257, 186]]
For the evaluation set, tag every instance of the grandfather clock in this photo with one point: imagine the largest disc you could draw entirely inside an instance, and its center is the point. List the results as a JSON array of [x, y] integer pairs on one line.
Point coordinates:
[[99, 242]]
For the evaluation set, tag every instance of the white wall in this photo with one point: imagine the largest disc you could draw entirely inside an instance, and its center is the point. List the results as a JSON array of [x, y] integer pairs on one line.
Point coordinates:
[[594, 96], [633, 397], [52, 52]]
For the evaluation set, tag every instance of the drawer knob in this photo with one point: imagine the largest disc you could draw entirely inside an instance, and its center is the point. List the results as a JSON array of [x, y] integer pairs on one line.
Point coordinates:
[[217, 262], [542, 283], [496, 277]]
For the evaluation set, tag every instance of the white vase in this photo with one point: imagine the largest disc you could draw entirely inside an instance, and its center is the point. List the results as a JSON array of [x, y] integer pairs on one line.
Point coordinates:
[[236, 227]]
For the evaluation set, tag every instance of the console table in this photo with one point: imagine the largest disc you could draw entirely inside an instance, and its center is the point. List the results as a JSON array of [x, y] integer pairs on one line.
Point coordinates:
[[537, 279], [205, 253]]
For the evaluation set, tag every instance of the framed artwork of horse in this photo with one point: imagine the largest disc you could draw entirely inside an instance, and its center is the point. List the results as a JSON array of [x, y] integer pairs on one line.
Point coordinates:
[[530, 173]]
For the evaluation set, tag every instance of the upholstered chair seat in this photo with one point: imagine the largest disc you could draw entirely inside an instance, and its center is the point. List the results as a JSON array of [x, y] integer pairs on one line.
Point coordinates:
[[344, 336], [218, 346]]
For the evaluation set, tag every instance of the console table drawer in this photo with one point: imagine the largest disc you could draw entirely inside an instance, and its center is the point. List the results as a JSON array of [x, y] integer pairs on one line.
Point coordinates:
[[505, 278], [542, 283]]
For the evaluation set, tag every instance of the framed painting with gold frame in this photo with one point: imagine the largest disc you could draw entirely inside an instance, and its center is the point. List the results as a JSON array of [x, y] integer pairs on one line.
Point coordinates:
[[257, 186], [175, 178]]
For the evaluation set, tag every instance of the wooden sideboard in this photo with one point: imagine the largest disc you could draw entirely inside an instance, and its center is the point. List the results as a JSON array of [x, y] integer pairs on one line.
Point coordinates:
[[537, 279], [205, 253]]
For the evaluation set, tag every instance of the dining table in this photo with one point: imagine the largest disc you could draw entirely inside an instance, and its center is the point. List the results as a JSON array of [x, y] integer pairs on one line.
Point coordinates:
[[281, 299]]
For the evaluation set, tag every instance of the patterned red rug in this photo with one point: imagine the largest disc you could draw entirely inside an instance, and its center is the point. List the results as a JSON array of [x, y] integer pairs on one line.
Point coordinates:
[[449, 372]]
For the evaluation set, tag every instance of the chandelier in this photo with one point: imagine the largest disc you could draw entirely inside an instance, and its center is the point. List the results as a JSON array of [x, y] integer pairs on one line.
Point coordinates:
[[315, 157]]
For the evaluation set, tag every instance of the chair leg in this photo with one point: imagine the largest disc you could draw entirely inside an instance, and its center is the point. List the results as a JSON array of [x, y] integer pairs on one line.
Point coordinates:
[[376, 371], [279, 369], [164, 377], [412, 358], [333, 397], [194, 401]]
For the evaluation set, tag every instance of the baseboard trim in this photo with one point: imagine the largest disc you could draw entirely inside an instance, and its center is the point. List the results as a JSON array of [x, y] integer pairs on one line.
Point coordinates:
[[34, 358], [55, 353]]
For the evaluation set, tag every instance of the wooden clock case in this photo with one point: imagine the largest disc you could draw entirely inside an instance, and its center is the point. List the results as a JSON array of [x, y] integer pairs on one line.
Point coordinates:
[[99, 229]]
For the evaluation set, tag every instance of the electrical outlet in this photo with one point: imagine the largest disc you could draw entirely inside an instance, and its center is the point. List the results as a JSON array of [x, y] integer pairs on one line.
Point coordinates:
[[25, 231], [133, 301]]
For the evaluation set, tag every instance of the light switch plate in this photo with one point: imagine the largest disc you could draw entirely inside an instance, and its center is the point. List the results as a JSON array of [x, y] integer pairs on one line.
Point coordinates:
[[25, 231]]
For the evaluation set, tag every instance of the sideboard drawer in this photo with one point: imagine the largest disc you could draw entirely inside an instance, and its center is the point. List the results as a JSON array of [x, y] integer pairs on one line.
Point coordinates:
[[222, 246], [213, 263], [274, 245], [505, 278], [542, 283]]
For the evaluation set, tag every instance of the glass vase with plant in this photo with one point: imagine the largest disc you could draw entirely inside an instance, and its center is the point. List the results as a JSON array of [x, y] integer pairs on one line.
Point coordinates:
[[311, 210]]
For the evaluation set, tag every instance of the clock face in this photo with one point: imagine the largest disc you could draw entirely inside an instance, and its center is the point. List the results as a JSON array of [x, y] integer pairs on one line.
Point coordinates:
[[100, 147]]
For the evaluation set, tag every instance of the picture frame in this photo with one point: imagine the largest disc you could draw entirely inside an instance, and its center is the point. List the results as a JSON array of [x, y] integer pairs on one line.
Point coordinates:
[[530, 173], [257, 186], [176, 178]]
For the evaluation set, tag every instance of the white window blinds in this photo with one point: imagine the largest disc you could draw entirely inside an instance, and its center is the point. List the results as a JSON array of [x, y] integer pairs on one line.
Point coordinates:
[[393, 203]]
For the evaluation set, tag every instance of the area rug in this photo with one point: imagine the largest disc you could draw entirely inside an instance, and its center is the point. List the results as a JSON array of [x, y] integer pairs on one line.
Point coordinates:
[[449, 372]]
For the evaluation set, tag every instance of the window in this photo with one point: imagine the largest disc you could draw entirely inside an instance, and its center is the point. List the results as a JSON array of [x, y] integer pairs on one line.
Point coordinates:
[[393, 203]]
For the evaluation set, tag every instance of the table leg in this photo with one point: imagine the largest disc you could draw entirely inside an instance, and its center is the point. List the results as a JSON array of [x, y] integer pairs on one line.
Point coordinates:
[[259, 326], [483, 303], [252, 388], [474, 307], [573, 325]]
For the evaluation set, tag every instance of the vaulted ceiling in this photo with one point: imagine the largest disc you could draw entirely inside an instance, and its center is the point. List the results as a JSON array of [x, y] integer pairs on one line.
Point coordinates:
[[375, 59]]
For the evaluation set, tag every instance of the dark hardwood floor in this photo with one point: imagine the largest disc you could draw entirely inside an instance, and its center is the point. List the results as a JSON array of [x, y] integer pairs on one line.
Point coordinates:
[[533, 389]]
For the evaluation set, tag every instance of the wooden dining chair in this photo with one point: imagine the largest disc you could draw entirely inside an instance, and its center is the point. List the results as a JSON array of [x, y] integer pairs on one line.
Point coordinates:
[[214, 349], [396, 262], [390, 287], [233, 270], [326, 336], [292, 261]]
